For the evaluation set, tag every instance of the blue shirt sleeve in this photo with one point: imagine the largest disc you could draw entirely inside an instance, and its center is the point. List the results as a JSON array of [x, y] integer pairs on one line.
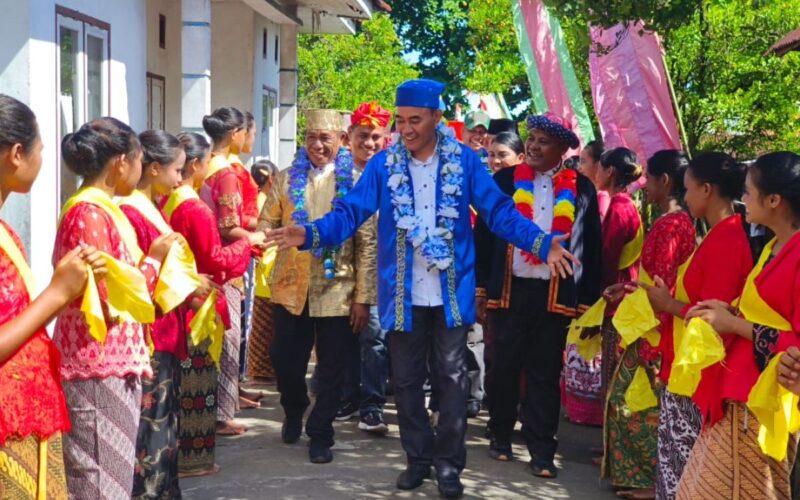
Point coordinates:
[[499, 212], [349, 212]]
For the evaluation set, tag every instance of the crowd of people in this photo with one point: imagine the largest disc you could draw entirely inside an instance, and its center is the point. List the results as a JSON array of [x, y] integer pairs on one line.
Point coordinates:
[[469, 273]]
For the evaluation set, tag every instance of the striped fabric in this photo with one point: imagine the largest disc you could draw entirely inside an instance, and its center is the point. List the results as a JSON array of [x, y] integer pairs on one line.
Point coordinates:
[[228, 390], [258, 361], [726, 463], [19, 469], [99, 452]]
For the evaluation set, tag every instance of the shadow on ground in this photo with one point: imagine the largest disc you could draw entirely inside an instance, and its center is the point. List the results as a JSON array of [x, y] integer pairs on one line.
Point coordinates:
[[257, 465]]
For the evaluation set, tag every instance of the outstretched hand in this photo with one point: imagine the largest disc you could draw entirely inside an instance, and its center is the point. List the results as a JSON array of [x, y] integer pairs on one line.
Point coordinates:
[[559, 258], [286, 237]]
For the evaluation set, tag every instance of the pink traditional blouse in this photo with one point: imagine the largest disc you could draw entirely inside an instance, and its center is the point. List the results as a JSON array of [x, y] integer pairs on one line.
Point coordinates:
[[125, 350]]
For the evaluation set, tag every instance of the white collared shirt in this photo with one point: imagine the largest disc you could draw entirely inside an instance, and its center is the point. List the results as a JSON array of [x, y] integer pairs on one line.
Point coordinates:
[[426, 287], [543, 198]]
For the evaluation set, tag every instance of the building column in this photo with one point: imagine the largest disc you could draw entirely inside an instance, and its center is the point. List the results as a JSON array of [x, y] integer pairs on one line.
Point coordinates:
[[287, 95], [195, 63]]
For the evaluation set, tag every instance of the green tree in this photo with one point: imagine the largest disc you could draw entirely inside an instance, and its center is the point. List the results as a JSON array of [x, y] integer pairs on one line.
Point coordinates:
[[341, 71]]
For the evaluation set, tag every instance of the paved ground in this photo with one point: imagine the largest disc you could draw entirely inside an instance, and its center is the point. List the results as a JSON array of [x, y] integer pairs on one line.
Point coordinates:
[[258, 465]]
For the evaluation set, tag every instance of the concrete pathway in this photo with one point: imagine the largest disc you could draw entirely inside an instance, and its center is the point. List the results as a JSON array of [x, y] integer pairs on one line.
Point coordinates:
[[257, 465]]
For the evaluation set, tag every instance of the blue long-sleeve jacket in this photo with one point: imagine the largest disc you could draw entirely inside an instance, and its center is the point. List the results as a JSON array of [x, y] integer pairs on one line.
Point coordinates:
[[371, 193]]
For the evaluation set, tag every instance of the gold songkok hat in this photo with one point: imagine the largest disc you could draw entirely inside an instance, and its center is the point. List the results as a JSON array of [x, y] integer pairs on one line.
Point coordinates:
[[323, 119]]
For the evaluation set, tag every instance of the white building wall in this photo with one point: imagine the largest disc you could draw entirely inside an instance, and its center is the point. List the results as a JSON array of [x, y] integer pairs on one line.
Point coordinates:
[[265, 75], [31, 75], [15, 82]]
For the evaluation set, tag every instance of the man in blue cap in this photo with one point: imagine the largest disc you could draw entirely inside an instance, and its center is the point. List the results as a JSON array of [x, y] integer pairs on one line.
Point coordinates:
[[423, 187]]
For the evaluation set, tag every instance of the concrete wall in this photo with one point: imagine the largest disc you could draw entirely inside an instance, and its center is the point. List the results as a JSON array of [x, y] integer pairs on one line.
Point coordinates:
[[28, 72], [166, 62], [232, 55], [15, 82], [265, 74]]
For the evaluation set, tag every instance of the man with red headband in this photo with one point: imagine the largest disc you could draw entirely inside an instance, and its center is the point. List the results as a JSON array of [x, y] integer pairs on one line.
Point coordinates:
[[529, 306], [368, 366]]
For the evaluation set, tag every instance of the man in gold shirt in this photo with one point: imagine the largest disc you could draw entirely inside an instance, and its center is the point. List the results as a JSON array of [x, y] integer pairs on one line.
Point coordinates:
[[323, 294]]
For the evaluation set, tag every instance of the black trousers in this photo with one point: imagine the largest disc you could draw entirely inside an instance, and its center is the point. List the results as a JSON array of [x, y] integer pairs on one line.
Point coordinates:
[[294, 336], [409, 353], [527, 336]]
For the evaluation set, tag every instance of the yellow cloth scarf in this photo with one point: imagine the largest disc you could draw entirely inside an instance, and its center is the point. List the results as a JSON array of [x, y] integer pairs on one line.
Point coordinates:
[[217, 163], [593, 317], [632, 250], [128, 295], [178, 277], [773, 405], [206, 322], [12, 250]]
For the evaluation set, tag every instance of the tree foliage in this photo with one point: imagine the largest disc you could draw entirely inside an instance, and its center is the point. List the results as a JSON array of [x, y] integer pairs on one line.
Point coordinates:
[[341, 71]]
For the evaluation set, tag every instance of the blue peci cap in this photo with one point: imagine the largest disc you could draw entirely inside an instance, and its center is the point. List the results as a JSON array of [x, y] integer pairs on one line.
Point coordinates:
[[420, 93]]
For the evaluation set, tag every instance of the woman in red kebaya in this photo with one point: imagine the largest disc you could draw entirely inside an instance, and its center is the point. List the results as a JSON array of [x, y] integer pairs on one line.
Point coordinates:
[[192, 218], [716, 270], [727, 461], [34, 412]]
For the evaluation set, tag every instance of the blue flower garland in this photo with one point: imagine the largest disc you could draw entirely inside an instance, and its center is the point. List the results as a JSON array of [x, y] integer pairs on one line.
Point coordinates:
[[298, 179], [436, 246]]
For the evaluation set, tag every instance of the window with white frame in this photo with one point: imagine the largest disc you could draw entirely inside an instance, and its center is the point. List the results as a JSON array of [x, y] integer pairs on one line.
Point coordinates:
[[83, 78], [269, 110]]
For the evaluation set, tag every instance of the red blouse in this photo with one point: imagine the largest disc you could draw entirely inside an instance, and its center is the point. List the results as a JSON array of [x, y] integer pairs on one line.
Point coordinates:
[[125, 350], [667, 246], [167, 331], [222, 195], [620, 225], [718, 270], [31, 398], [196, 222], [249, 191]]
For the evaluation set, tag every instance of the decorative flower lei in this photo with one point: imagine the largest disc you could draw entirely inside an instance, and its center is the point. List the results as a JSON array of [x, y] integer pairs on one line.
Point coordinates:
[[436, 246], [565, 189], [298, 179]]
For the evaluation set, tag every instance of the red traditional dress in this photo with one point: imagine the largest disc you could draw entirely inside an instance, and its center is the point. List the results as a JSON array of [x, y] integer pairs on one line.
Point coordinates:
[[156, 470], [34, 411], [199, 376], [631, 437], [726, 461], [102, 381], [249, 191]]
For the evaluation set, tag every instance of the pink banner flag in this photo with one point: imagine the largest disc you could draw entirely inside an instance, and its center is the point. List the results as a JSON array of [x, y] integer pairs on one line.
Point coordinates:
[[554, 86], [631, 91]]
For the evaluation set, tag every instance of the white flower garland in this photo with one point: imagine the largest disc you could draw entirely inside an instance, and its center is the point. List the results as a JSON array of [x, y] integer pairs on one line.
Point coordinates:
[[436, 245]]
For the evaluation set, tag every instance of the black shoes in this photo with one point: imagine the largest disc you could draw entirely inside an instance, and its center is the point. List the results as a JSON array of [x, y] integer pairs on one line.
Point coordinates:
[[319, 453], [291, 430], [473, 408], [373, 422], [413, 476], [347, 411], [450, 484]]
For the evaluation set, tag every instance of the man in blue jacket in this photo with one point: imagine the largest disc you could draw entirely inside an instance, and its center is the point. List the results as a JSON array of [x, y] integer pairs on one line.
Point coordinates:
[[423, 187]]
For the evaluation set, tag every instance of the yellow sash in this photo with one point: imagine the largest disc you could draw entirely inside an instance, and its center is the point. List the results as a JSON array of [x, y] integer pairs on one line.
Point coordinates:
[[183, 193], [640, 396], [635, 317], [205, 322], [264, 271], [128, 295], [261, 199], [100, 199], [178, 277], [772, 404], [145, 206], [632, 250], [752, 306], [234, 158], [12, 250], [593, 317], [217, 163]]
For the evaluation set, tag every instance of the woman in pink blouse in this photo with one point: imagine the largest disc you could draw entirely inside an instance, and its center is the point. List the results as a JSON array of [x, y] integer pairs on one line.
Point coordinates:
[[103, 380]]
